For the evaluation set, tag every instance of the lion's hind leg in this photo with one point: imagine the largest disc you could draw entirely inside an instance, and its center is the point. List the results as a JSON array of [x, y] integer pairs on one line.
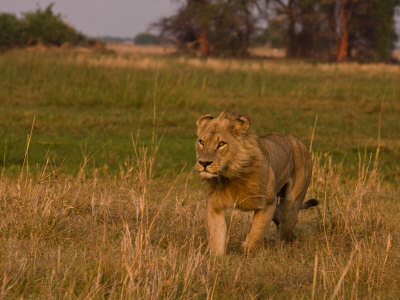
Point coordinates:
[[275, 219], [288, 210]]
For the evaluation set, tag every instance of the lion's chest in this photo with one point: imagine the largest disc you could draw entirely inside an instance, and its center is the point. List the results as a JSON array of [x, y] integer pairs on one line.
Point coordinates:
[[240, 196]]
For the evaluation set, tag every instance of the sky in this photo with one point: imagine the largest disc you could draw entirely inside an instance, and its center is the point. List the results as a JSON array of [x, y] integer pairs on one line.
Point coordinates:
[[118, 18]]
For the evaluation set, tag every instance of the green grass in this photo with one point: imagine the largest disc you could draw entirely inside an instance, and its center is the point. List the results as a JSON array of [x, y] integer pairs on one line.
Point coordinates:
[[107, 204], [80, 109]]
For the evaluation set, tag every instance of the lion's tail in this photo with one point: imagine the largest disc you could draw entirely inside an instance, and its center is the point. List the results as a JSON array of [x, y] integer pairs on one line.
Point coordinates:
[[309, 203]]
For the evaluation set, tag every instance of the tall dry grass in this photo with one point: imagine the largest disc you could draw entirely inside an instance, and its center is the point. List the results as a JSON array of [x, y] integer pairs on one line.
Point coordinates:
[[141, 237]]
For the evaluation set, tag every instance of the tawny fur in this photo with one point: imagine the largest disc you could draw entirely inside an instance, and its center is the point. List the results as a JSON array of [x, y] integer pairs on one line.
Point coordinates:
[[266, 174]]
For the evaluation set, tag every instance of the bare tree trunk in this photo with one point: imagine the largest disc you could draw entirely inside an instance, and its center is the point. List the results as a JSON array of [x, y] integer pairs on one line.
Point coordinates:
[[291, 45], [202, 39], [333, 24], [203, 43], [343, 46]]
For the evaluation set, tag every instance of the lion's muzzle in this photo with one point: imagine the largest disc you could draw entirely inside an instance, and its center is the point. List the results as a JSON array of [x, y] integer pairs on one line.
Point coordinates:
[[205, 163], [201, 167]]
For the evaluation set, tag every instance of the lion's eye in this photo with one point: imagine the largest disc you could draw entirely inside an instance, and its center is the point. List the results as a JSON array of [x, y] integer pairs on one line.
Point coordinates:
[[221, 144], [201, 142]]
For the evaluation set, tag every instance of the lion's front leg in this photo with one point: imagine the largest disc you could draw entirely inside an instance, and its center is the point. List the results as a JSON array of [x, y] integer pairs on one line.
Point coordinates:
[[261, 221], [217, 230]]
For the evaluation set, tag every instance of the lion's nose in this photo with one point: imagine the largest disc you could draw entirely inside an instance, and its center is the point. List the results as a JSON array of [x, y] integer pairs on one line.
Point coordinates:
[[205, 163]]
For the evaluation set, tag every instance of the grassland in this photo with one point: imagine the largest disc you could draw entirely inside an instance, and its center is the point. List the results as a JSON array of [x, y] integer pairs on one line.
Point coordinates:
[[98, 198]]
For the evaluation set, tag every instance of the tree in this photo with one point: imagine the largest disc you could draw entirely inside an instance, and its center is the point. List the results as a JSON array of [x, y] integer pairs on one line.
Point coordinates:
[[307, 26], [272, 35], [343, 41], [372, 33], [336, 29], [366, 29], [202, 23], [211, 27]]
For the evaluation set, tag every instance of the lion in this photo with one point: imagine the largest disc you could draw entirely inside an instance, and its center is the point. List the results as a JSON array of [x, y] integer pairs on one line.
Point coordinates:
[[267, 174]]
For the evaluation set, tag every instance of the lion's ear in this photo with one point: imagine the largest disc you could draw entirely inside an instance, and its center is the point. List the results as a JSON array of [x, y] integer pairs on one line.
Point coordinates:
[[241, 124], [203, 119]]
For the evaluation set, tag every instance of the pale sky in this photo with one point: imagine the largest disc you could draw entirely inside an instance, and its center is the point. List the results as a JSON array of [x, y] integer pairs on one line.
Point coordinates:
[[119, 18]]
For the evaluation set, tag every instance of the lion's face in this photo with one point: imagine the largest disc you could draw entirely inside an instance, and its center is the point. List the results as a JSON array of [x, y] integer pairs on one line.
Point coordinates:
[[219, 141]]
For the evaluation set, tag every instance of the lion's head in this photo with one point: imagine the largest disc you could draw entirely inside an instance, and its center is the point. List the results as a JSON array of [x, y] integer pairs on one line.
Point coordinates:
[[220, 147]]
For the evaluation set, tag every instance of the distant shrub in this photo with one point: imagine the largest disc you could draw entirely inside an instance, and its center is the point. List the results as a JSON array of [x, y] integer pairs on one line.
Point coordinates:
[[10, 31], [40, 26], [146, 39], [46, 27]]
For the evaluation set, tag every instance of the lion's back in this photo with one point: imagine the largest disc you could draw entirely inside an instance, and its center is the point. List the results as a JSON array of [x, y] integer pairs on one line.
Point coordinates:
[[286, 151]]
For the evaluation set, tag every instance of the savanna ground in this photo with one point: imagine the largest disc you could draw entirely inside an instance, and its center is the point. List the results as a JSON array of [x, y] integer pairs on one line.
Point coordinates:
[[98, 197]]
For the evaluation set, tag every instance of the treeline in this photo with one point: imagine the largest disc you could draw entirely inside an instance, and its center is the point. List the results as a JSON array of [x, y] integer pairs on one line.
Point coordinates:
[[40, 26], [323, 29]]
